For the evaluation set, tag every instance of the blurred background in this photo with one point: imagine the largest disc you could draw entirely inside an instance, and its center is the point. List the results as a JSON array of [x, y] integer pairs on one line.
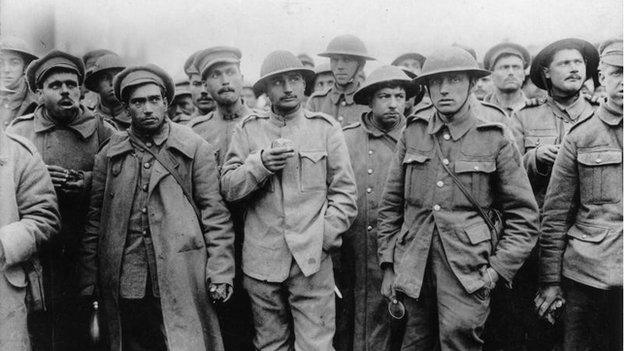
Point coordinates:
[[166, 32]]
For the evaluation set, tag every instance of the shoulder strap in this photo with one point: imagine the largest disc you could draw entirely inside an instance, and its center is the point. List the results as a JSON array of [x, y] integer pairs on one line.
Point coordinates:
[[463, 189], [102, 139], [174, 174]]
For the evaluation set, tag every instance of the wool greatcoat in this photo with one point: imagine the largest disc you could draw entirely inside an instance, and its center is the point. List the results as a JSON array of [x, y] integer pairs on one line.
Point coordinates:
[[186, 259]]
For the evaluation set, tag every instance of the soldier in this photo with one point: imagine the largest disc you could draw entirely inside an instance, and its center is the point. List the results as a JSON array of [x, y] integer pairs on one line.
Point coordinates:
[[158, 242], [306, 60], [290, 169], [323, 77], [581, 241], [15, 97], [204, 103], [29, 217], [507, 62], [347, 55], [364, 323], [67, 135], [181, 108], [89, 98], [412, 61], [100, 80], [249, 95], [441, 246], [220, 70]]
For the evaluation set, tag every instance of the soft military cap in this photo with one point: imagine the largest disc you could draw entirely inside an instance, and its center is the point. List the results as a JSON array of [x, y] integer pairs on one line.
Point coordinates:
[[205, 59], [586, 49], [410, 55], [348, 45], [103, 64], [279, 62], [495, 52], [53, 60], [139, 75], [450, 59], [182, 86], [611, 52], [8, 43], [382, 76], [189, 64]]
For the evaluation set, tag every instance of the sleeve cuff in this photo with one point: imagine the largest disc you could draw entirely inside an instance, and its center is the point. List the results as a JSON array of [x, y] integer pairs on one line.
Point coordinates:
[[257, 168], [17, 243]]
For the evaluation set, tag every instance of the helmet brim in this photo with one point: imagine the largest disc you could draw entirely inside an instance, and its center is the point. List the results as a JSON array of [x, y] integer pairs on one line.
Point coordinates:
[[474, 72], [308, 76]]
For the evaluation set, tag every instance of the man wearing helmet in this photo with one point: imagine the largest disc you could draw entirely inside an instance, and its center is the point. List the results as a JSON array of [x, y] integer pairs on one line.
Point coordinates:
[[290, 169], [347, 55], [456, 213]]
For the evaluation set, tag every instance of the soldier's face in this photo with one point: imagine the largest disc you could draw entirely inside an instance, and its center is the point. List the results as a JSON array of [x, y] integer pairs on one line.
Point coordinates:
[[182, 105], [508, 73], [105, 86], [224, 82], [285, 91], [201, 98], [449, 91], [387, 105], [483, 87], [566, 71], [249, 97], [324, 81], [60, 94], [147, 107], [611, 79], [411, 64], [11, 68], [344, 67]]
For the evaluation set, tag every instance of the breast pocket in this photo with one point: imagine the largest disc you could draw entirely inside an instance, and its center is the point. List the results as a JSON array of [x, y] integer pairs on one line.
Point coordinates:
[[313, 170], [600, 176], [416, 177], [532, 141], [476, 177]]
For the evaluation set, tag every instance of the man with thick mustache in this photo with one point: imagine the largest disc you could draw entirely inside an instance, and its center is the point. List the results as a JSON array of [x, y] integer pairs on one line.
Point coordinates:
[[290, 170], [157, 246], [347, 55], [100, 80], [507, 62], [15, 97], [439, 254], [203, 101], [67, 135]]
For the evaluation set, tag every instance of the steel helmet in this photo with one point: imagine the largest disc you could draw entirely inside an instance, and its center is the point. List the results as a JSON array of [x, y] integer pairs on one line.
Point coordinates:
[[279, 62], [381, 76], [103, 64], [322, 68], [450, 59], [589, 52], [8, 43], [347, 44]]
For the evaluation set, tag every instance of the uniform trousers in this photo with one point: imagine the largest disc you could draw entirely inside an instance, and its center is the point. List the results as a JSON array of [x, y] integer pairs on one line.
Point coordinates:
[[296, 314], [445, 316], [142, 327]]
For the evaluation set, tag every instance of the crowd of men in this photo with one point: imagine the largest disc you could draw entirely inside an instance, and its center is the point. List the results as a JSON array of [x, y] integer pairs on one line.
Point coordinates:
[[438, 203]]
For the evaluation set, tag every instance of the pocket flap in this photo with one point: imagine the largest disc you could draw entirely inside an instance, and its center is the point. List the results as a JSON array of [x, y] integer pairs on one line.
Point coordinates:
[[478, 233], [475, 166], [313, 156], [412, 158], [588, 233], [599, 158]]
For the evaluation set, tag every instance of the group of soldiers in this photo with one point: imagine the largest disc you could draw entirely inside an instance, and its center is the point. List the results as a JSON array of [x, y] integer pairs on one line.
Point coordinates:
[[430, 205]]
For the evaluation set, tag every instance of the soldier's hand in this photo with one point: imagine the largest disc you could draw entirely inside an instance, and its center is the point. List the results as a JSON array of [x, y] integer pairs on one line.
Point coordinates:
[[387, 284], [547, 153], [274, 159], [76, 181], [220, 292], [59, 175], [545, 298]]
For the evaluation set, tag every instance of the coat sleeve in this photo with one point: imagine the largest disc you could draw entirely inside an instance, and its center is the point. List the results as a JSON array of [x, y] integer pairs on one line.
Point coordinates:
[[560, 202], [37, 209], [537, 173], [519, 211], [341, 190], [219, 233], [243, 173], [390, 215], [88, 264]]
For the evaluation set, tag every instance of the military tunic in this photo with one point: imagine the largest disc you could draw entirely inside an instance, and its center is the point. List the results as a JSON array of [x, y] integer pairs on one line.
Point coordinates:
[[494, 99], [338, 104], [15, 104]]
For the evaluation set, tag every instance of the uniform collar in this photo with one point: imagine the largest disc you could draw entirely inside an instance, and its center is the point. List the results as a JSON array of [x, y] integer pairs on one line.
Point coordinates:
[[335, 94], [242, 111], [370, 128], [84, 123], [281, 120], [118, 113], [171, 136], [494, 99], [609, 116], [461, 123], [572, 113]]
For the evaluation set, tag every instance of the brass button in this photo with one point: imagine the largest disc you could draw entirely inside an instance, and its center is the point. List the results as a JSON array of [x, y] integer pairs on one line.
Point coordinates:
[[144, 187], [369, 228], [369, 190], [598, 160], [144, 210], [446, 162], [446, 137], [436, 207], [476, 168], [440, 184], [148, 144], [340, 118], [344, 103], [146, 165], [370, 171], [370, 152]]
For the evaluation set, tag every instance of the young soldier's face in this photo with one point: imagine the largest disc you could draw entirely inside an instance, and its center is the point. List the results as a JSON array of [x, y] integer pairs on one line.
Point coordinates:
[[60, 94], [11, 68], [147, 107], [508, 73], [387, 104], [344, 67], [105, 86], [483, 87], [224, 82], [249, 97], [449, 91], [566, 71], [324, 81], [285, 91], [611, 79]]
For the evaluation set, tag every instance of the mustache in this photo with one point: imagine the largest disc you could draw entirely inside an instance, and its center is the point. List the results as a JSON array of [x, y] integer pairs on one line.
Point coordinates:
[[225, 90]]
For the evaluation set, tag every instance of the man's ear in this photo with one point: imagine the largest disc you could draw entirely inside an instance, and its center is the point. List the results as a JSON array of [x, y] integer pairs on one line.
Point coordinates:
[[601, 78], [39, 94], [546, 72]]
